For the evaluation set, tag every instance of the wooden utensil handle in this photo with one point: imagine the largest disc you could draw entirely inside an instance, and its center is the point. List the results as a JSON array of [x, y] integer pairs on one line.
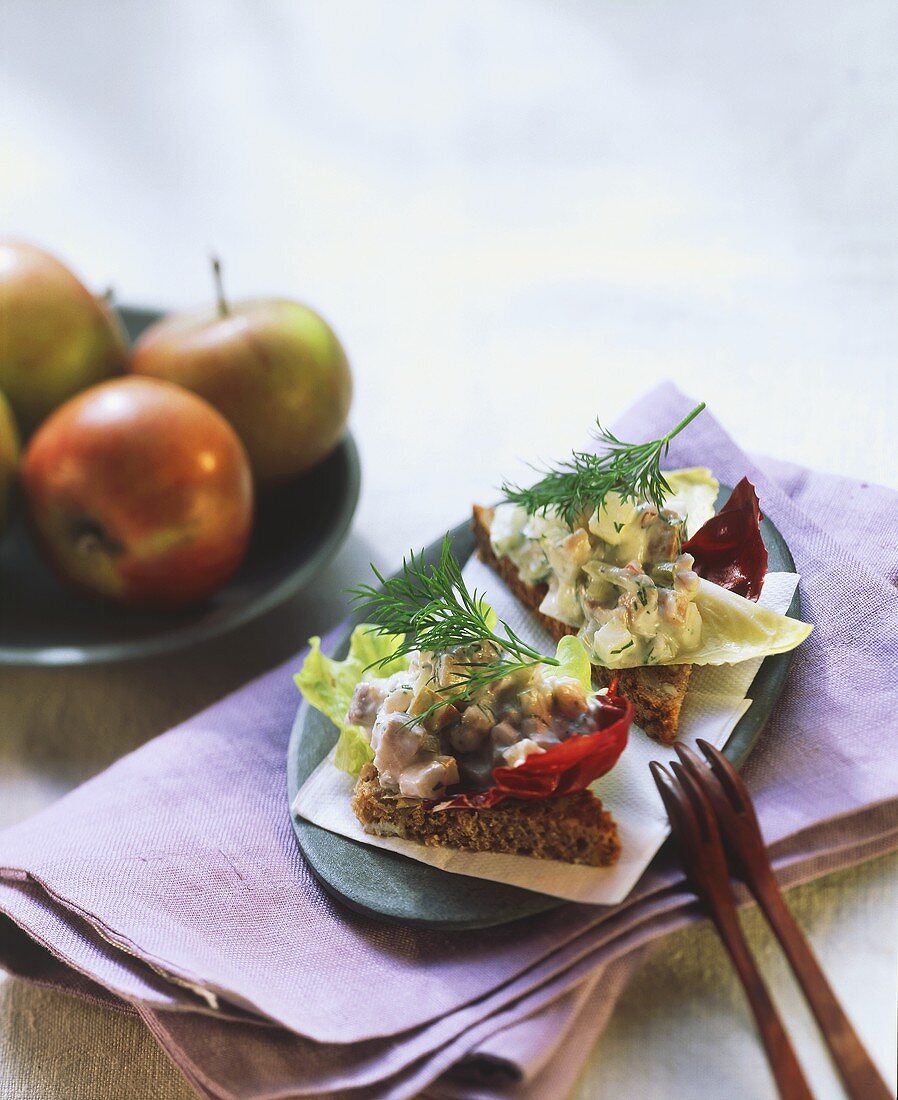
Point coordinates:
[[856, 1068], [784, 1065]]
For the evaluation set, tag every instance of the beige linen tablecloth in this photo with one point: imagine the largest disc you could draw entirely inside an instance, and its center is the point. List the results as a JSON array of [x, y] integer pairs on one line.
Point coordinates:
[[517, 215]]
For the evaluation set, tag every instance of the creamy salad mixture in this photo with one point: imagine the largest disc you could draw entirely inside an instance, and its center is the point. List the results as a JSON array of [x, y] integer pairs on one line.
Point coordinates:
[[618, 576], [500, 726]]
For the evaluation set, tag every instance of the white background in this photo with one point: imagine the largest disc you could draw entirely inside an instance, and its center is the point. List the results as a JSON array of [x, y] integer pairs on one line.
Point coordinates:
[[517, 215]]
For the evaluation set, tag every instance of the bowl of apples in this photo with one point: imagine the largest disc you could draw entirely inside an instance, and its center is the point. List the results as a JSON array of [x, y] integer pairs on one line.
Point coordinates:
[[163, 479]]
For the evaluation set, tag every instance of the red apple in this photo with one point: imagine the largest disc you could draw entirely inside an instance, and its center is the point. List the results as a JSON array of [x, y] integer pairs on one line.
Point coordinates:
[[140, 492], [56, 338], [272, 367]]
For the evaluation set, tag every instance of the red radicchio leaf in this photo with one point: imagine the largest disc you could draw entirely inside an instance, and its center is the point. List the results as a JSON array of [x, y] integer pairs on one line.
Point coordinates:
[[562, 769], [728, 549]]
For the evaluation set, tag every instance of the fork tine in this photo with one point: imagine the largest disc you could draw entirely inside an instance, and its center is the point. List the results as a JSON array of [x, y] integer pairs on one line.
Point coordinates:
[[688, 756], [724, 805], [695, 767], [682, 822], [679, 821], [664, 783], [727, 776], [703, 812]]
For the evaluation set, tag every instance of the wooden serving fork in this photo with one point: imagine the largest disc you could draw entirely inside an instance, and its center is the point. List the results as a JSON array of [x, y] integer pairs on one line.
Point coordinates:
[[704, 861], [738, 823]]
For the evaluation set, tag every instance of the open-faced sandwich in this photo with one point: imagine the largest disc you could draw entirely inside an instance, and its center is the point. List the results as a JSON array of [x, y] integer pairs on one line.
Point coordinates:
[[636, 564], [461, 734], [464, 736]]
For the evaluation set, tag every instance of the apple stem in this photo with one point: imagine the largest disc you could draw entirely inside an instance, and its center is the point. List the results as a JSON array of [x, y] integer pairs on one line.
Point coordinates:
[[223, 308]]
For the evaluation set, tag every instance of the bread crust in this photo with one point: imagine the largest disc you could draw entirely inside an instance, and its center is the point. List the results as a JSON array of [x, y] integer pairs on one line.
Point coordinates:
[[656, 692], [574, 828]]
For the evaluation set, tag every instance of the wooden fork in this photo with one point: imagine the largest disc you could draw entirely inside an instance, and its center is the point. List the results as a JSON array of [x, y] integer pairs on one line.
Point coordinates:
[[738, 823], [704, 861]]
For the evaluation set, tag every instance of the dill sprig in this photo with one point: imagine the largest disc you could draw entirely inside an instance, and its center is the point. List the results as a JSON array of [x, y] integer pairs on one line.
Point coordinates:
[[577, 487], [434, 611]]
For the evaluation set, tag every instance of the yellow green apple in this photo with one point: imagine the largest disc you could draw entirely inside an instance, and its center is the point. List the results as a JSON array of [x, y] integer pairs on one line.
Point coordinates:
[[9, 459], [273, 367], [56, 338]]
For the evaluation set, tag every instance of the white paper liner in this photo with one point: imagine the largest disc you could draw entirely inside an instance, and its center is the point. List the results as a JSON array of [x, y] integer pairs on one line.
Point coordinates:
[[714, 703]]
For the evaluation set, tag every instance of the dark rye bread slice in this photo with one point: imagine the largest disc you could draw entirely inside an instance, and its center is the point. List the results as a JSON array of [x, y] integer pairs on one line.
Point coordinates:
[[573, 828], [656, 692]]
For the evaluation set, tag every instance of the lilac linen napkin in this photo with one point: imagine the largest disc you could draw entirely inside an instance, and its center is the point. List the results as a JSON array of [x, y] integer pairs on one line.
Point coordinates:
[[172, 885]]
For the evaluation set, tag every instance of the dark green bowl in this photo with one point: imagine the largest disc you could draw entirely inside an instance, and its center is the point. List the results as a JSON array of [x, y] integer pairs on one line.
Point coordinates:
[[298, 528], [388, 886]]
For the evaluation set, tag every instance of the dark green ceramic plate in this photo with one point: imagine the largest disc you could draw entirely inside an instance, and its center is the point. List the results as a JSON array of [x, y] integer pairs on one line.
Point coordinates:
[[388, 886], [298, 529]]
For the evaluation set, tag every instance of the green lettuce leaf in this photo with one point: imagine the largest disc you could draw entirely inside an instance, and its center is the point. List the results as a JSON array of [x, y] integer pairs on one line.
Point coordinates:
[[353, 750], [693, 495], [734, 629], [328, 685], [492, 619], [573, 661]]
